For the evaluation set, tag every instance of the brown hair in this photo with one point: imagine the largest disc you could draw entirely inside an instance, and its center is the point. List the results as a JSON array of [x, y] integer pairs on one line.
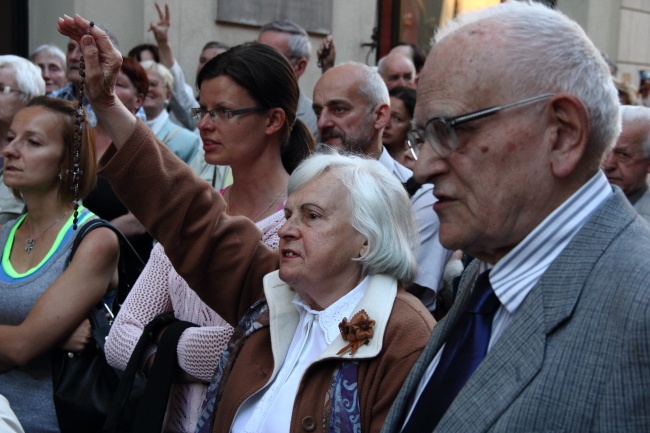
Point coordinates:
[[136, 74], [66, 111], [270, 80]]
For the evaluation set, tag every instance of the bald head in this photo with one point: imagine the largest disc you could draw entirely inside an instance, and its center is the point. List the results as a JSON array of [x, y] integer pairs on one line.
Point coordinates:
[[397, 70], [550, 138]]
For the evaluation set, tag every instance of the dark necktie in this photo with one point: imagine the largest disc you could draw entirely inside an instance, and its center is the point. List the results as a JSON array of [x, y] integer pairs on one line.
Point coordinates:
[[464, 350]]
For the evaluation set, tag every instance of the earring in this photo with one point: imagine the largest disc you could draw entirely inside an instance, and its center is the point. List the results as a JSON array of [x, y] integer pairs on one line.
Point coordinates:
[[60, 176]]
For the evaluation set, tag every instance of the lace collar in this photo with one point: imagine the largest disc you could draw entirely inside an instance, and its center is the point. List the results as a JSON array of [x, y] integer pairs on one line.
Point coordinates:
[[329, 318]]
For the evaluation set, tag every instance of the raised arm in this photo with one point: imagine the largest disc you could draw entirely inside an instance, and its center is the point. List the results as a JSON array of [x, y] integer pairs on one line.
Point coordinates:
[[183, 99], [65, 304], [221, 257], [103, 63]]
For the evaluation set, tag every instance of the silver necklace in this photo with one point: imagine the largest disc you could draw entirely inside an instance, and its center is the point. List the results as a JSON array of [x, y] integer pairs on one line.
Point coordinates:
[[254, 219], [31, 242]]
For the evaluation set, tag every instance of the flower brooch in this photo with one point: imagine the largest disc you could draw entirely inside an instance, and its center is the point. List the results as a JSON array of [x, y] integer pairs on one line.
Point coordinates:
[[357, 331]]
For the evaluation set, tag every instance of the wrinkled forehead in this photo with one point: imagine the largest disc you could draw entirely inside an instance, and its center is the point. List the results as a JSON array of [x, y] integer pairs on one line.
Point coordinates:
[[340, 84], [463, 72]]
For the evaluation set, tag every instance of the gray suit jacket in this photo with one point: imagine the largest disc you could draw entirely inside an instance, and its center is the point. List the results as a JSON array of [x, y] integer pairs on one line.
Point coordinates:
[[576, 356], [642, 203]]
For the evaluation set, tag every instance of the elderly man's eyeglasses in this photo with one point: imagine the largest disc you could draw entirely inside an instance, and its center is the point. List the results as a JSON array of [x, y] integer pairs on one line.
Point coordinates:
[[440, 131], [7, 90], [221, 113]]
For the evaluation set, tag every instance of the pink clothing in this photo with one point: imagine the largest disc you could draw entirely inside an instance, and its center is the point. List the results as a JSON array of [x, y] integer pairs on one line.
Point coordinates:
[[161, 289]]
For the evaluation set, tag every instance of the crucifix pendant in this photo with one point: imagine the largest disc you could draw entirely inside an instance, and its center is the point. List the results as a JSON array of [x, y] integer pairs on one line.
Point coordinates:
[[29, 245], [76, 174]]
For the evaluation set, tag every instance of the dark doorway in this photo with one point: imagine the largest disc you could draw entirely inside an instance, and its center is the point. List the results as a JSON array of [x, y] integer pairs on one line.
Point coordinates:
[[14, 31]]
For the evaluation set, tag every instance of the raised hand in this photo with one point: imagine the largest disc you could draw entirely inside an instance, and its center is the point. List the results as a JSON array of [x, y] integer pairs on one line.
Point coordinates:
[[326, 53], [161, 28], [103, 62]]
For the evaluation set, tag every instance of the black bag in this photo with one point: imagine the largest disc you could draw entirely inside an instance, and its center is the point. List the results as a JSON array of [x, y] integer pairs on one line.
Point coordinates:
[[84, 383], [150, 412]]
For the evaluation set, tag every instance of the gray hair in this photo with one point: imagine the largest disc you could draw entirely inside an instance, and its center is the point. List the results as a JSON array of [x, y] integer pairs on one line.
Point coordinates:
[[165, 74], [373, 89], [299, 44], [28, 76], [641, 115], [551, 53], [215, 44], [50, 49], [379, 207]]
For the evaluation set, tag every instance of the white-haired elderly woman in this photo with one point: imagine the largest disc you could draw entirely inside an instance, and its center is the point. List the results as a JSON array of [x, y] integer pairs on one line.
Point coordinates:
[[20, 81], [51, 60], [183, 142], [324, 342]]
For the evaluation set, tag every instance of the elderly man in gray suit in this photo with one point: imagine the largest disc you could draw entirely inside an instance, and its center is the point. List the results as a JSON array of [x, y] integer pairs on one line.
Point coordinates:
[[551, 329]]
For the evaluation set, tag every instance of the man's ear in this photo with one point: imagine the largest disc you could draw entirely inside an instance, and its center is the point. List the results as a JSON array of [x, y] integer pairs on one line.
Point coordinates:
[[382, 116], [275, 120], [569, 122], [300, 67]]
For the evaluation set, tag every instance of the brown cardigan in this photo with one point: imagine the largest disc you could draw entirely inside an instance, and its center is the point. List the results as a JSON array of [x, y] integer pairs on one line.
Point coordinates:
[[223, 260]]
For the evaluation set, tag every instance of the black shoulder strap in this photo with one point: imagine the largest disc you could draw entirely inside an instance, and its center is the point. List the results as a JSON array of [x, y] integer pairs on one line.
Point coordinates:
[[130, 264], [151, 412], [115, 416]]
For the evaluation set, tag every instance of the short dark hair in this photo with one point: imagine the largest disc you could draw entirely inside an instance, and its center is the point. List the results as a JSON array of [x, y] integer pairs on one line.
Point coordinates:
[[407, 95], [136, 52]]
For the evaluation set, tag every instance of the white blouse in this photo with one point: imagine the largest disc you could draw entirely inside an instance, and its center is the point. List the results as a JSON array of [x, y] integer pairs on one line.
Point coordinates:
[[270, 410]]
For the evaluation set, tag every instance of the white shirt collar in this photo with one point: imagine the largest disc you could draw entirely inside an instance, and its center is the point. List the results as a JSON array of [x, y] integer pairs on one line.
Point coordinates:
[[401, 172], [158, 122], [329, 318], [514, 276]]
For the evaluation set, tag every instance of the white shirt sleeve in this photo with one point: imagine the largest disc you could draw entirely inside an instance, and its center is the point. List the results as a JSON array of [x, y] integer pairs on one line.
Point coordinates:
[[183, 99], [432, 256], [8, 421]]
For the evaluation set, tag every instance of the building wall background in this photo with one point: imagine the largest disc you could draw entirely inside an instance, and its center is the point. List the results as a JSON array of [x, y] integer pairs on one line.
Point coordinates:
[[193, 22], [634, 43], [619, 28]]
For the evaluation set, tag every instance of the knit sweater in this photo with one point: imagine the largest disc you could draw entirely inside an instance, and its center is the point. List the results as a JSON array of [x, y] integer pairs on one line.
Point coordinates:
[[158, 289]]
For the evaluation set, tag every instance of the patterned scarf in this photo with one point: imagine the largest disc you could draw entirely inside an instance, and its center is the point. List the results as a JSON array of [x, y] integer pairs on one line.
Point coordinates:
[[255, 318]]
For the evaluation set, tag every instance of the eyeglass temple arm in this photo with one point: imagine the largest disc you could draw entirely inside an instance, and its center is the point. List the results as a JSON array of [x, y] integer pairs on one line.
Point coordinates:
[[491, 110]]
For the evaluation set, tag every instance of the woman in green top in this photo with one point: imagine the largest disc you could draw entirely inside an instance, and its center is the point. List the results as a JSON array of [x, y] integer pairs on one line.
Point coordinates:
[[44, 301]]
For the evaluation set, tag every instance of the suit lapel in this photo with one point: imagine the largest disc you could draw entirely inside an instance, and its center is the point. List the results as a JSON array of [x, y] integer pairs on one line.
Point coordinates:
[[518, 355], [404, 400], [509, 367]]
